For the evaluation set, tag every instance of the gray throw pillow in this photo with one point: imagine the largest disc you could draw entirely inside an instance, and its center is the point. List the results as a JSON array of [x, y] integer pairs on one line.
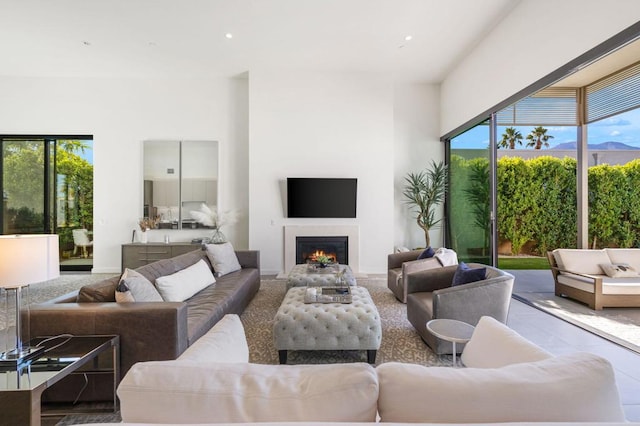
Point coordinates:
[[223, 258], [134, 287]]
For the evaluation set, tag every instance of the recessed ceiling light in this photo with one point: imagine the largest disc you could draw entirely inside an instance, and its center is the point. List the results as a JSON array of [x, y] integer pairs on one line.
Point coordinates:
[[408, 38], [228, 35]]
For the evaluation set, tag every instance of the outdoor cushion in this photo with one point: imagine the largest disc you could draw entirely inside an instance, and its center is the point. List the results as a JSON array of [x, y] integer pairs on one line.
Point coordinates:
[[581, 261]]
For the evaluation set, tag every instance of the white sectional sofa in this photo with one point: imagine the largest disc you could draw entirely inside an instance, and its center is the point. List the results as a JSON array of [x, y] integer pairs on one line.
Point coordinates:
[[507, 379], [581, 274]]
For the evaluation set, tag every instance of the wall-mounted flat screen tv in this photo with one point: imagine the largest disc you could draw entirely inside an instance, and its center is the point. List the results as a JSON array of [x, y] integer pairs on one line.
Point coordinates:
[[322, 197]]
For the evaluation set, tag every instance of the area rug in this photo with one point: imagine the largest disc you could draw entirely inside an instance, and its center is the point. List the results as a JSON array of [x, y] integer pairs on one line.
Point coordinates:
[[619, 325], [400, 341]]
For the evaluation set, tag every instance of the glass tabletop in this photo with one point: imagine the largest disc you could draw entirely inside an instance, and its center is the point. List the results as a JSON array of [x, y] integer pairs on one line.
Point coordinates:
[[59, 353], [451, 330]]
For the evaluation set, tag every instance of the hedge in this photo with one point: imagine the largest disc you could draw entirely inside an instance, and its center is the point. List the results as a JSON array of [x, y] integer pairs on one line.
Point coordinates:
[[537, 202]]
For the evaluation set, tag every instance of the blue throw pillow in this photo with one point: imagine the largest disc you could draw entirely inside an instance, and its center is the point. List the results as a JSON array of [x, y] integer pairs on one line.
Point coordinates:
[[427, 253], [466, 275]]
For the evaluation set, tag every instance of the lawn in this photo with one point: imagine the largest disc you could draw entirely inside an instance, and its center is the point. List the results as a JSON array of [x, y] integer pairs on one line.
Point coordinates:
[[523, 262]]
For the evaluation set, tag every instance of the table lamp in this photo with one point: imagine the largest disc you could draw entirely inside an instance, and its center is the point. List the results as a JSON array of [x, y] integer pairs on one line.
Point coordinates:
[[24, 260]]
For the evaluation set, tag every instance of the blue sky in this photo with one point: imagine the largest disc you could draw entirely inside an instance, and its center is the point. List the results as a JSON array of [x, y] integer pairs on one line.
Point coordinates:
[[623, 128]]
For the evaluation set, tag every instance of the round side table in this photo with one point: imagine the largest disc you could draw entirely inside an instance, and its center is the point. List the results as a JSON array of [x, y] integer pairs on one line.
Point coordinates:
[[451, 330]]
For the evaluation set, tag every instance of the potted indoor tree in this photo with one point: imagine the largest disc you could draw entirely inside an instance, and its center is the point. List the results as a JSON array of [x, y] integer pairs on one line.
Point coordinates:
[[423, 192]]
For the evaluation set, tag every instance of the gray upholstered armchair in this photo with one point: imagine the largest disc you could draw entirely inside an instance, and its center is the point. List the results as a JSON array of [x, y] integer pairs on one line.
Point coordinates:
[[399, 265], [430, 296]]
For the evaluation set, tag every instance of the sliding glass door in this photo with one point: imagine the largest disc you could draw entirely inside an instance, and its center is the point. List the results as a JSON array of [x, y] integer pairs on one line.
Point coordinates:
[[47, 187], [469, 197]]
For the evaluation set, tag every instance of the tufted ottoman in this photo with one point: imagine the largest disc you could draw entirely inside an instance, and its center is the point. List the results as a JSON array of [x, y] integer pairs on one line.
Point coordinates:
[[327, 326], [301, 276]]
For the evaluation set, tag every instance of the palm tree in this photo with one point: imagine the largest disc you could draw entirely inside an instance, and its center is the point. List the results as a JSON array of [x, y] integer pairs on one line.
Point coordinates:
[[510, 137], [538, 137]]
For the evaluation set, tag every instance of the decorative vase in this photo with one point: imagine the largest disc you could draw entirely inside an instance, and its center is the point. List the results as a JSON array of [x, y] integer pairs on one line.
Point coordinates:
[[143, 237], [218, 237]]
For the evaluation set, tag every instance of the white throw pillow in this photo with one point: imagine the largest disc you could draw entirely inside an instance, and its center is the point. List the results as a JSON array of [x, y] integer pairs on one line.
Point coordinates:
[[223, 258], [581, 261], [134, 287], [579, 387], [618, 270], [225, 342], [185, 283], [179, 392], [494, 345]]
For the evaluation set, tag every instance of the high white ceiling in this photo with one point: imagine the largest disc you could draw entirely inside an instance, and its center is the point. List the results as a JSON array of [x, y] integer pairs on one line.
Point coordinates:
[[187, 37]]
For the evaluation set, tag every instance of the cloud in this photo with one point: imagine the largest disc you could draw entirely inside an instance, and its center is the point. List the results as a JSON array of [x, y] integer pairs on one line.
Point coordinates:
[[615, 133], [613, 122]]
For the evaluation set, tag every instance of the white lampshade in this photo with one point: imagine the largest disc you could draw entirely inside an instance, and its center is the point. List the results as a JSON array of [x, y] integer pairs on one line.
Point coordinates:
[[28, 259]]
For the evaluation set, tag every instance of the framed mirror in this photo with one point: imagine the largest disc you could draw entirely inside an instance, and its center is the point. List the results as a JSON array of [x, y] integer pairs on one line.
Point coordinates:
[[179, 176]]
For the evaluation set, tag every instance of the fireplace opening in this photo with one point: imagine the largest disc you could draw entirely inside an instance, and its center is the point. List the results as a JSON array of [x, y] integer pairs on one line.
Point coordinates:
[[336, 248]]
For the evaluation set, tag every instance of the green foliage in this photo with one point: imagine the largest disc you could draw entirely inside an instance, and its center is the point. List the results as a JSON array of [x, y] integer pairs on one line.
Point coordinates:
[[478, 195], [537, 202], [608, 194], [514, 202], [424, 191], [23, 185]]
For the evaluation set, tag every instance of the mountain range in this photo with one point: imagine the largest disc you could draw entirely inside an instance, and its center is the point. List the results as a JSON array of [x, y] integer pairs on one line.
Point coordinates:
[[597, 146]]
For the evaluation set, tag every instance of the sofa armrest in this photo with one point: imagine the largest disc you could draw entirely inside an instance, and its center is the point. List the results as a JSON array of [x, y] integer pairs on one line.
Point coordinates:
[[148, 331], [430, 280], [249, 258], [395, 260], [469, 302]]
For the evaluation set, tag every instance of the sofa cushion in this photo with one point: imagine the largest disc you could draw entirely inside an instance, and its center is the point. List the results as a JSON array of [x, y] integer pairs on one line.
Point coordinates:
[[103, 291], [629, 256], [196, 392], [570, 388], [134, 287], [494, 345], [619, 270], [223, 258], [581, 261], [225, 342], [183, 284], [466, 275]]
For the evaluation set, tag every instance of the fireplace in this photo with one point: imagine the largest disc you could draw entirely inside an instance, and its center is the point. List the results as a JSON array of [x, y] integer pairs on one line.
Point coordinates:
[[293, 232], [334, 247]]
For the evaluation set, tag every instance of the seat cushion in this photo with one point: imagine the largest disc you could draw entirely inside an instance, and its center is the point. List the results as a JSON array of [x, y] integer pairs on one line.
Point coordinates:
[[570, 388], [180, 392]]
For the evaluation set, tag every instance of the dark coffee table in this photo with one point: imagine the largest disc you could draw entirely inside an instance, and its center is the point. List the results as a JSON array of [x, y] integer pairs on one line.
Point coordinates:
[[21, 386]]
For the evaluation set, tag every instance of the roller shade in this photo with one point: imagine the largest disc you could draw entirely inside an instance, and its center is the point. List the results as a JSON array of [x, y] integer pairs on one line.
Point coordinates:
[[614, 94], [554, 106]]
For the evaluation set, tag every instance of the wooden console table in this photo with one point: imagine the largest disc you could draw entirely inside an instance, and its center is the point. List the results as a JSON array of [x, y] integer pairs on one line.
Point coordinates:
[[135, 255]]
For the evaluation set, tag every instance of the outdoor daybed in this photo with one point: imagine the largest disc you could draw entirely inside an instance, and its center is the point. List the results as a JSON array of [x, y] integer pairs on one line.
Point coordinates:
[[599, 278]]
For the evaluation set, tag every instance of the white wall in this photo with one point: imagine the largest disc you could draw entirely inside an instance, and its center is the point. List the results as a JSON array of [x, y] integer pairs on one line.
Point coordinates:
[[536, 38], [120, 114], [416, 142], [321, 125]]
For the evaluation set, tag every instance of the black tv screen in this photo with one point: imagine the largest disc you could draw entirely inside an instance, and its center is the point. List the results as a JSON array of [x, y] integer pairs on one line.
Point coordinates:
[[322, 197]]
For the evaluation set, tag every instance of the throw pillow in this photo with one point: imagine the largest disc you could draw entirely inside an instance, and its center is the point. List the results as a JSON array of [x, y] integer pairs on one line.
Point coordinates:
[[136, 288], [223, 258], [618, 270], [466, 275], [427, 253], [185, 283]]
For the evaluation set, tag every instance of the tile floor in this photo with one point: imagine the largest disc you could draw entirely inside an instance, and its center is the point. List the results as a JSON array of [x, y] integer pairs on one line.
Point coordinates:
[[560, 337]]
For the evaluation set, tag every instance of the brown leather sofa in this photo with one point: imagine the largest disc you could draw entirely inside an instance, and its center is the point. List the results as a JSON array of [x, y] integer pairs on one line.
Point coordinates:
[[150, 331]]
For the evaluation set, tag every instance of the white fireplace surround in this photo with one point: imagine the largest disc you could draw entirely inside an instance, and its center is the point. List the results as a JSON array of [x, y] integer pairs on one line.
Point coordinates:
[[293, 231]]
